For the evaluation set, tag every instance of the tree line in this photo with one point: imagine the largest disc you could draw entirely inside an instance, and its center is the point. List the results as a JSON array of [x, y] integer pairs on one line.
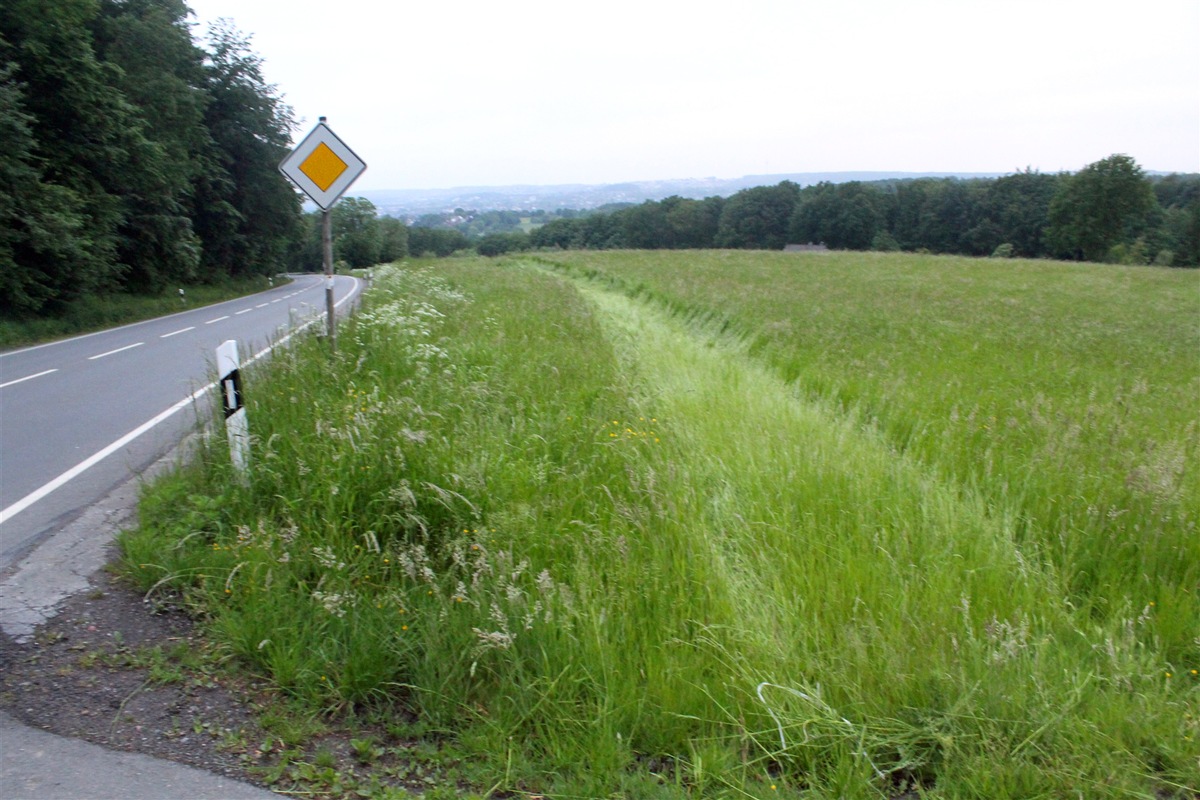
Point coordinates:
[[1108, 211], [134, 159]]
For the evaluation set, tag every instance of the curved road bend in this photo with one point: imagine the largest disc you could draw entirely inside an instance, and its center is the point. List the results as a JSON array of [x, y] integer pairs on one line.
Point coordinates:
[[80, 416]]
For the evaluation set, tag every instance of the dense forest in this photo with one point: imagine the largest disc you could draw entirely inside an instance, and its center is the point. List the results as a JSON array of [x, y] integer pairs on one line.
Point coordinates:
[[137, 159], [134, 159]]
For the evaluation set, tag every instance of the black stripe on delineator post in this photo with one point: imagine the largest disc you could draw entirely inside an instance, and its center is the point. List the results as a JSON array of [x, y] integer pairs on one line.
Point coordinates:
[[231, 392]]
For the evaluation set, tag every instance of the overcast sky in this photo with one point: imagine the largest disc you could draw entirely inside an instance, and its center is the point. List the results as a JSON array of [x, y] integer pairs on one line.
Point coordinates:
[[471, 92]]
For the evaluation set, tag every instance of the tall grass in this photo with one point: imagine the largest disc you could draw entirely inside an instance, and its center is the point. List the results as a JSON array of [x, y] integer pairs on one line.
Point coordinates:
[[615, 554], [1066, 394]]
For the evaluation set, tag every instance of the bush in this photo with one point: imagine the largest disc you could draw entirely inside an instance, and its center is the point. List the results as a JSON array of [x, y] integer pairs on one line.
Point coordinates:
[[1003, 251], [497, 244], [884, 242]]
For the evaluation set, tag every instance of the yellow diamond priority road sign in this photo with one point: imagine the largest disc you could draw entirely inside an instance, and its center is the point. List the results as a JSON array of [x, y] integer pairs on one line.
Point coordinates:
[[322, 166]]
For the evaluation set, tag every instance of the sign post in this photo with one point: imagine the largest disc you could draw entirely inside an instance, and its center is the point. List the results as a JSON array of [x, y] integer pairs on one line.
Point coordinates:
[[323, 167], [327, 260]]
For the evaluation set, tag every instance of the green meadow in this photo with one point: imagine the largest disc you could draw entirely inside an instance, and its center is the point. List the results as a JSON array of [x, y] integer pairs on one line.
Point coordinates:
[[726, 524]]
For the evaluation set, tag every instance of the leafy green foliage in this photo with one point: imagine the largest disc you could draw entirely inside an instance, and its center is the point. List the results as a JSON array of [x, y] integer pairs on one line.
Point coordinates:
[[245, 206], [40, 221], [934, 215], [158, 70], [844, 216], [357, 234], [84, 139], [758, 218], [435, 241], [134, 159], [393, 238], [1107, 203], [497, 244]]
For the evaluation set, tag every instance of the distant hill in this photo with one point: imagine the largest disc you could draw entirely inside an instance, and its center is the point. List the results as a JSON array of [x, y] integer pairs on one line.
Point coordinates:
[[411, 203]]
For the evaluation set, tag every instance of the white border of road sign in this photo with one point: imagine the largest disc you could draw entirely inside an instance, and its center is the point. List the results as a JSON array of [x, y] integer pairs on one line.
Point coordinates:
[[321, 134]]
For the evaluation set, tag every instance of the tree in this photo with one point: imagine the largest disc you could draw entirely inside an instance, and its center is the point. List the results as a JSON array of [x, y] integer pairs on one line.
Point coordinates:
[[1176, 190], [1187, 247], [563, 234], [307, 252], [758, 218], [906, 210], [393, 234], [498, 244], [694, 223], [1176, 238], [1019, 205], [161, 74], [435, 241], [357, 237], [131, 158], [1104, 204], [40, 222], [843, 216], [85, 140], [245, 213], [601, 231], [645, 226]]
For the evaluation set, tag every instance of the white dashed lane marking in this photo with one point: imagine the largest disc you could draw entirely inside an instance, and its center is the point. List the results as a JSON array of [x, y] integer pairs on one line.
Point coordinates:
[[118, 350], [27, 378]]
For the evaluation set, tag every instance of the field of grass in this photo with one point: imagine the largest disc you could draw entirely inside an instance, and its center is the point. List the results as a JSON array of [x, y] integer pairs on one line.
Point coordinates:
[[715, 524]]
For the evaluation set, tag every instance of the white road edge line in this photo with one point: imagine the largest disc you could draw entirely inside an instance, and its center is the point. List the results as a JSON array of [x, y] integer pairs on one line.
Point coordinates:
[[181, 330], [27, 378], [96, 458], [118, 350], [37, 494]]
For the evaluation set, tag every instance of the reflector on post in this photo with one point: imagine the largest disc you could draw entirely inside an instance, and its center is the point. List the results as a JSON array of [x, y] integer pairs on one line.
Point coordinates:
[[236, 425]]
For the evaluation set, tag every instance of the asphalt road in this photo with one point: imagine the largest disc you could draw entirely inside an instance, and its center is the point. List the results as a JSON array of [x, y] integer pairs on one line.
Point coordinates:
[[80, 416]]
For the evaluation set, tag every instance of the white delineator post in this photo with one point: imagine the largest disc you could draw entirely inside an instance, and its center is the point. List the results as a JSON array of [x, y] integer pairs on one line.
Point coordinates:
[[236, 425]]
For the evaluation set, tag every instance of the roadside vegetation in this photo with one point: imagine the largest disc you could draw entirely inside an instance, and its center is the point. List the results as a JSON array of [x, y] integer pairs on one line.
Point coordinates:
[[724, 524]]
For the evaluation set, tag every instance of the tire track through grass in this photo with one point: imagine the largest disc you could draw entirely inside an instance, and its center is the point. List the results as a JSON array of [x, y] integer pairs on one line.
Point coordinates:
[[905, 631]]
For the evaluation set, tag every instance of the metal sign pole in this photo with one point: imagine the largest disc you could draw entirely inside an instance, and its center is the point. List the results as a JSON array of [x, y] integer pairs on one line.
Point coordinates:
[[327, 250], [323, 167]]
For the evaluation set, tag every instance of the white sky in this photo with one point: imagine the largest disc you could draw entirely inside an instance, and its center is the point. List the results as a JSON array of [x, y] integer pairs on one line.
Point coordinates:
[[441, 93]]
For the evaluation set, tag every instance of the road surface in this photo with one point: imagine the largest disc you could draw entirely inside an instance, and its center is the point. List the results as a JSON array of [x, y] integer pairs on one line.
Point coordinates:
[[80, 416]]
